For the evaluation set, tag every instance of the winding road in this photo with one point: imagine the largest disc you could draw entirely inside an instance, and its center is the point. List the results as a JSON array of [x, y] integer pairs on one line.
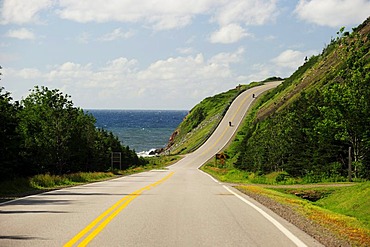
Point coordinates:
[[178, 206]]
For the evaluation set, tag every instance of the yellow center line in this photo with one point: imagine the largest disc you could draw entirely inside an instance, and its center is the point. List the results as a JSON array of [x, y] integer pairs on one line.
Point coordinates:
[[232, 119], [112, 212]]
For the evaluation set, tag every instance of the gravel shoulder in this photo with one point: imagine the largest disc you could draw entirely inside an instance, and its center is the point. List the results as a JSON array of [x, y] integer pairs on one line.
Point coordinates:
[[321, 234]]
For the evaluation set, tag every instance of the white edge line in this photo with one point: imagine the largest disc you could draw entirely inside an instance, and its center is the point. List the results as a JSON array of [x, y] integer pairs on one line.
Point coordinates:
[[286, 232], [215, 180]]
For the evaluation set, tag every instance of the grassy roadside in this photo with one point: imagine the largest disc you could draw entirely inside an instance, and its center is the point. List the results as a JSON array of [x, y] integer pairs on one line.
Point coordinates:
[[20, 187], [352, 229], [342, 210]]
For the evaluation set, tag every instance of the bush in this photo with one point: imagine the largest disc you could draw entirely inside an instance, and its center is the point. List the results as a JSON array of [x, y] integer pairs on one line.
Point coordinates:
[[43, 181], [282, 177]]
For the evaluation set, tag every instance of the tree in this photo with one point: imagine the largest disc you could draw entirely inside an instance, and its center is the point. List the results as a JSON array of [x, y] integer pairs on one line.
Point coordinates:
[[47, 134], [9, 139], [47, 125]]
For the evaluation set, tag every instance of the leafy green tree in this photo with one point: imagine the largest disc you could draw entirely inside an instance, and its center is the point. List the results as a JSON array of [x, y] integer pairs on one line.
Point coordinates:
[[196, 117], [47, 134], [60, 138], [47, 125], [9, 139], [346, 107]]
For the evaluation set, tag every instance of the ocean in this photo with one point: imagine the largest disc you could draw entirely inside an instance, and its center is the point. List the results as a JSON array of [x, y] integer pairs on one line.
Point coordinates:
[[141, 130]]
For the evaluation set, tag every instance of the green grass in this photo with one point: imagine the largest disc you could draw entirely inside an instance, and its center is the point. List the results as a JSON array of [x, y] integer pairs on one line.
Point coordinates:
[[352, 201], [191, 133], [342, 210], [155, 162], [47, 181], [19, 187], [230, 174], [349, 228]]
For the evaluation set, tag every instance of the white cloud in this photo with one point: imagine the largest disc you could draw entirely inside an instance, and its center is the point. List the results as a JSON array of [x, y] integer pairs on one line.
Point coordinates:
[[260, 72], [30, 73], [333, 13], [289, 59], [185, 50], [169, 21], [117, 34], [226, 59], [229, 34], [176, 82], [21, 11], [248, 12], [21, 33], [160, 14], [165, 15], [232, 15], [282, 65]]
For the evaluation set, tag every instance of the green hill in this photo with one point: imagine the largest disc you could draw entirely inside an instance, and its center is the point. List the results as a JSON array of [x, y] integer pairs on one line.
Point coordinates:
[[301, 132], [307, 125], [202, 120], [304, 127]]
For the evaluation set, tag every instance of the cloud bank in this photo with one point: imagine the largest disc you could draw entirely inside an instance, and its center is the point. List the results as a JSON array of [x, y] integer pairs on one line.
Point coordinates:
[[164, 83], [333, 13]]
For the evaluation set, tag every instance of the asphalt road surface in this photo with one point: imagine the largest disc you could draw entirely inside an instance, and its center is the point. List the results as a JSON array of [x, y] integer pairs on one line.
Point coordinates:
[[178, 206]]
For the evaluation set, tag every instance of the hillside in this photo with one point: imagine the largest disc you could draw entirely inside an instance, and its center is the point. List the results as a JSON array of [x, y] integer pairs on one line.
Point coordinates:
[[201, 121], [306, 126], [302, 132]]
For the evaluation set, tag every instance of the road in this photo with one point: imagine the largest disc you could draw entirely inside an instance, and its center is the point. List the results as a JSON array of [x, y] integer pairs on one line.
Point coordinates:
[[178, 206]]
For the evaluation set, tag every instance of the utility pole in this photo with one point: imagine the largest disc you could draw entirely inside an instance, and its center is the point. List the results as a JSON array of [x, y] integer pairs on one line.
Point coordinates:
[[349, 165]]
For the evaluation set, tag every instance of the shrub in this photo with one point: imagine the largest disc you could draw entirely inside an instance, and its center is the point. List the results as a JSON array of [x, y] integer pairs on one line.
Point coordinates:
[[43, 181]]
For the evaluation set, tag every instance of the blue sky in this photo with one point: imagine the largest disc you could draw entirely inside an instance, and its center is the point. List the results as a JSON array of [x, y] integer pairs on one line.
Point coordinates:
[[161, 54]]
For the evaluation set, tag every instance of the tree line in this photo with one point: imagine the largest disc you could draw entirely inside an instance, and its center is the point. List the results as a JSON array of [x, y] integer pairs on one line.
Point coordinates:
[[46, 133], [311, 136]]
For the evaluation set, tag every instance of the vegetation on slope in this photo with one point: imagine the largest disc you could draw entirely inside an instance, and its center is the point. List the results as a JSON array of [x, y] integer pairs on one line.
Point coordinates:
[[202, 120], [45, 133], [301, 132], [351, 201], [306, 126]]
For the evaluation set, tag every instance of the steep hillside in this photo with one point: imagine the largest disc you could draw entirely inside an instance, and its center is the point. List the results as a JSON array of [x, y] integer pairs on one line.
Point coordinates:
[[306, 127], [203, 119], [319, 116]]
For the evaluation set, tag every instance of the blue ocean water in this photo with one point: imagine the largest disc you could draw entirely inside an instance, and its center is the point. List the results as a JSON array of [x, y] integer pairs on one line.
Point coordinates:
[[141, 130]]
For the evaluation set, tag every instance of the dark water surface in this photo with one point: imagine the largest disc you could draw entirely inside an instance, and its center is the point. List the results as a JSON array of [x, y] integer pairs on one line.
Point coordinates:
[[141, 130]]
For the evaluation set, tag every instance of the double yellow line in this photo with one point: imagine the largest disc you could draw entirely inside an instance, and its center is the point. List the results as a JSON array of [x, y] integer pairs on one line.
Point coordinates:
[[97, 225], [232, 120]]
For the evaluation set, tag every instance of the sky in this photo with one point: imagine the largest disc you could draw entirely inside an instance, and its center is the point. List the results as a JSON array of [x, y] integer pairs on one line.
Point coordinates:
[[161, 54]]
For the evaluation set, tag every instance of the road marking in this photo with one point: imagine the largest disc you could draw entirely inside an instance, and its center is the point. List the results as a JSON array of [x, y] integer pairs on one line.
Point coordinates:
[[215, 180], [248, 93], [255, 90], [285, 231], [102, 220], [242, 103]]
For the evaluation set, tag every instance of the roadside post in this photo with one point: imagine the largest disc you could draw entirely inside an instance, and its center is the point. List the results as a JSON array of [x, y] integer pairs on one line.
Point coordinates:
[[221, 157], [349, 165], [116, 159]]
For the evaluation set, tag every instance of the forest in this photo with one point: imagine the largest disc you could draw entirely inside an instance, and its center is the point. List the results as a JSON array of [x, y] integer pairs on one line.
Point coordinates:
[[45, 133], [318, 119]]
